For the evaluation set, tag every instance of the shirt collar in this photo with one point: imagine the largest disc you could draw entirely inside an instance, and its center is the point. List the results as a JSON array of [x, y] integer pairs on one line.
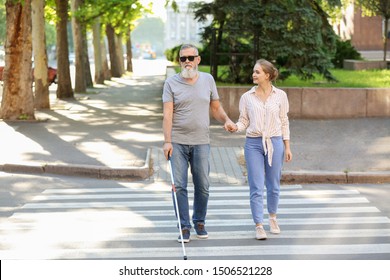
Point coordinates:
[[253, 89]]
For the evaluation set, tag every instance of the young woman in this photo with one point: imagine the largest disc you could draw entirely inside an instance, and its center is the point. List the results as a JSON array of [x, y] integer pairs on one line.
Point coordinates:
[[263, 113]]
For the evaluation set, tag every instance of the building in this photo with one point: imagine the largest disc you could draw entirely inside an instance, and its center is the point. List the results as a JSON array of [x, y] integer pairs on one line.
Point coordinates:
[[182, 27], [365, 33]]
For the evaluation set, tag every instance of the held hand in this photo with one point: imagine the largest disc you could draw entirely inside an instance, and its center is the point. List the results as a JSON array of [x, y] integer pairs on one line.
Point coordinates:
[[167, 148], [230, 126]]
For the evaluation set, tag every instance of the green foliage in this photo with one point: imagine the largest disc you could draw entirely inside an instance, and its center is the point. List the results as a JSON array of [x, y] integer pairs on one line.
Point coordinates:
[[294, 34], [345, 79], [345, 50], [120, 14], [2, 22], [173, 53], [375, 7], [205, 53]]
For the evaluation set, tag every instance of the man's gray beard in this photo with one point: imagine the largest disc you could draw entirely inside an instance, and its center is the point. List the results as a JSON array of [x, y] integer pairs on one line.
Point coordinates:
[[189, 73]]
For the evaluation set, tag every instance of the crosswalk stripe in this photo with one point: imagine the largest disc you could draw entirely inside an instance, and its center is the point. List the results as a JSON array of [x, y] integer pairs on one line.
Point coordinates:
[[17, 237], [216, 251], [130, 194], [319, 200], [167, 188], [210, 213], [138, 221], [88, 219]]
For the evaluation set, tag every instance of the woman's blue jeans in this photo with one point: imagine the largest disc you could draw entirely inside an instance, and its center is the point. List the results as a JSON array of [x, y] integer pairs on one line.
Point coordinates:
[[197, 157], [260, 174]]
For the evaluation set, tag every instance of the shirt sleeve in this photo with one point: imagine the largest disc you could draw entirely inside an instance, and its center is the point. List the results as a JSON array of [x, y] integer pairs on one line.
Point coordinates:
[[213, 89], [284, 108], [243, 120], [167, 95]]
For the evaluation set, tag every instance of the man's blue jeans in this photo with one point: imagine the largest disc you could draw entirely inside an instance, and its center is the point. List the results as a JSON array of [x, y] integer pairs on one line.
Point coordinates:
[[260, 174], [197, 157]]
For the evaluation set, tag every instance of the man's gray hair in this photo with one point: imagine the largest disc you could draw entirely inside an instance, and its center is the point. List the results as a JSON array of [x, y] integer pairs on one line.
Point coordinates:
[[189, 46]]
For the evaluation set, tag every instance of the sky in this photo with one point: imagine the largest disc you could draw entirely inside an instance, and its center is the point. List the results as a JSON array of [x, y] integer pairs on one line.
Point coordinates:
[[158, 8]]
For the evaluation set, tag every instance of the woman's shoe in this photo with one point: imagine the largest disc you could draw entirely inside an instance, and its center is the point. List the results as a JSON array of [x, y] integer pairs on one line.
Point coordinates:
[[273, 225], [260, 233]]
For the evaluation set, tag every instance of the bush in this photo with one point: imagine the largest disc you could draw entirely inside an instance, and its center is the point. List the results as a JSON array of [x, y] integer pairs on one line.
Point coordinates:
[[344, 50], [173, 53]]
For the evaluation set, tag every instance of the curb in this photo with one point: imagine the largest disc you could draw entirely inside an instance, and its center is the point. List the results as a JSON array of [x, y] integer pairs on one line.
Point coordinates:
[[85, 170], [334, 177], [146, 171]]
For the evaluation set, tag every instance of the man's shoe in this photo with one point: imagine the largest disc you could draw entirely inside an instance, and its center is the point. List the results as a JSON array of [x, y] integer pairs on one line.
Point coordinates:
[[186, 236], [201, 231], [260, 233], [273, 225]]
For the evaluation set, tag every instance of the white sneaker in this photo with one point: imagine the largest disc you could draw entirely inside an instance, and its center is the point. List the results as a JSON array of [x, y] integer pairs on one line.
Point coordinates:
[[260, 233], [273, 225]]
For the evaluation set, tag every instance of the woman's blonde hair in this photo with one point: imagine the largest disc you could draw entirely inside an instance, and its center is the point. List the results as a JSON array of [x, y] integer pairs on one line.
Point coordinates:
[[268, 68]]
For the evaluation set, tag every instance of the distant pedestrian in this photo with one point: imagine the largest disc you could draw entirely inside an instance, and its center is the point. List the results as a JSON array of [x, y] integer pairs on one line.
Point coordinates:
[[188, 98], [263, 113]]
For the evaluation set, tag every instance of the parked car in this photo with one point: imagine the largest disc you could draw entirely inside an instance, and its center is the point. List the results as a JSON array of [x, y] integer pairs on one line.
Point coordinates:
[[51, 74]]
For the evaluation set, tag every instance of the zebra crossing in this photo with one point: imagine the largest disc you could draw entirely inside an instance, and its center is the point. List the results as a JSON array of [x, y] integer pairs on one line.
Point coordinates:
[[136, 221]]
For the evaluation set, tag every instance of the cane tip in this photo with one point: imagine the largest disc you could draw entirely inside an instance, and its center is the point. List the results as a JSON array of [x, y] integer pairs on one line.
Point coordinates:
[[185, 258]]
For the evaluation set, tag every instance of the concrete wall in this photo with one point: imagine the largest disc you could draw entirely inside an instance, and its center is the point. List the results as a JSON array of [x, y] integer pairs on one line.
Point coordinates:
[[320, 103], [351, 64]]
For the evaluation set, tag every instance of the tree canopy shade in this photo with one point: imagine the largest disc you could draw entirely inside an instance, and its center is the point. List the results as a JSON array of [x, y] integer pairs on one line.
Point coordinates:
[[116, 16], [295, 34]]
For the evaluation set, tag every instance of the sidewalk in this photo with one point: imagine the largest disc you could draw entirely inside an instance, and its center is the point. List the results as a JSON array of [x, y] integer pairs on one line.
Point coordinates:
[[115, 132]]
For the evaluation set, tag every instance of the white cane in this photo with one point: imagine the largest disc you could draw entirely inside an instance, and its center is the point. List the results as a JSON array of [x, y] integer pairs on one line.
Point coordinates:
[[177, 208]]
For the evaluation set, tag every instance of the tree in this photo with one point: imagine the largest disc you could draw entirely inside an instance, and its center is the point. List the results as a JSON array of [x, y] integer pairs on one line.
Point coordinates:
[[293, 33], [116, 18], [41, 84], [18, 101], [64, 89], [97, 41], [77, 28], [381, 8]]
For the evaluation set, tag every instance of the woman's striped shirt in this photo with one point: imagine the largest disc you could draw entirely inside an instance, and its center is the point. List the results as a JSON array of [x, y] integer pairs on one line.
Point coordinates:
[[264, 119]]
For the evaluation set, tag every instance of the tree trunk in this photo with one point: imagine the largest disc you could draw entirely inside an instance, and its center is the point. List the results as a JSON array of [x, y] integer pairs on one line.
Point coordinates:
[[64, 89], [385, 39], [106, 68], [119, 53], [129, 53], [41, 89], [18, 100], [99, 74], [114, 63], [80, 85], [87, 66]]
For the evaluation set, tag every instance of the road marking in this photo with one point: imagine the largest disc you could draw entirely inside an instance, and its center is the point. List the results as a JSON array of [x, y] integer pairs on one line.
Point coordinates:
[[131, 195], [216, 251], [168, 202]]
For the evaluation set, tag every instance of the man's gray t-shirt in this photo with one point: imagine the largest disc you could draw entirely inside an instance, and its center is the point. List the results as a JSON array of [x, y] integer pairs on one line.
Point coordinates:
[[191, 108]]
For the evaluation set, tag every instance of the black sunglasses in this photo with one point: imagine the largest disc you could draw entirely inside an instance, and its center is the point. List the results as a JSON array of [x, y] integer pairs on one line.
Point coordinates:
[[190, 58]]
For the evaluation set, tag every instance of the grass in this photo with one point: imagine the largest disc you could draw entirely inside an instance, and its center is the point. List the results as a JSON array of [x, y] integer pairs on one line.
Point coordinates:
[[346, 79]]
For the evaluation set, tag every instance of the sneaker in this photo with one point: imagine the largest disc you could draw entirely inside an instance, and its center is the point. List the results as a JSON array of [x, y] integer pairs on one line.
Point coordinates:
[[201, 231], [260, 233], [186, 236], [273, 225]]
